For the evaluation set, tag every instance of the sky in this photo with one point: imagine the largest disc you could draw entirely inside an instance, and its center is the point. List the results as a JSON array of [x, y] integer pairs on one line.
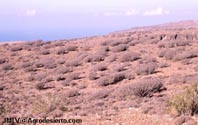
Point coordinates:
[[65, 19]]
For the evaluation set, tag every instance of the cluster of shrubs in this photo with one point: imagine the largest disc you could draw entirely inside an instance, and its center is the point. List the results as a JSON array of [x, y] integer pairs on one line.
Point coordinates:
[[172, 44], [176, 55], [46, 63]]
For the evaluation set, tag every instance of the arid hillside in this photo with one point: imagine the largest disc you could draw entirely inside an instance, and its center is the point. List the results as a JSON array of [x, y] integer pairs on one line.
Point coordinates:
[[141, 76]]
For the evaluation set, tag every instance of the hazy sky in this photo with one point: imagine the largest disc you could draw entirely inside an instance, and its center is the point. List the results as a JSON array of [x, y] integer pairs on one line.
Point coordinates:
[[56, 19]]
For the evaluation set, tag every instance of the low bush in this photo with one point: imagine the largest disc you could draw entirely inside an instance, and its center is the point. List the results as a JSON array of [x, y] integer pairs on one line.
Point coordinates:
[[186, 102], [61, 51], [146, 69], [39, 76], [25, 64], [92, 76], [120, 48], [147, 87], [144, 88], [60, 78], [7, 67], [73, 76], [99, 94], [111, 79], [185, 55], [129, 56], [47, 103], [71, 93], [74, 62], [40, 86], [94, 58], [168, 54], [44, 52], [2, 60], [100, 67], [71, 48], [111, 58], [63, 70], [16, 48]]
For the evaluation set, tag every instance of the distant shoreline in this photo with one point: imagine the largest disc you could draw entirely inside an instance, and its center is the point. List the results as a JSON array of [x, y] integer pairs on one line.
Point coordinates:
[[11, 42]]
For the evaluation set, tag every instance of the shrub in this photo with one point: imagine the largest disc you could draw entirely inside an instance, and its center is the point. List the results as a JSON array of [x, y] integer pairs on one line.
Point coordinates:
[[185, 55], [16, 48], [114, 43], [111, 79], [60, 78], [38, 43], [186, 102], [63, 70], [147, 60], [119, 68], [40, 86], [47, 103], [103, 50], [120, 48], [39, 76], [92, 76], [73, 76], [94, 58], [71, 93], [167, 54], [146, 69], [2, 60], [46, 63], [129, 56], [71, 48], [74, 62], [99, 94], [26, 64], [164, 65], [182, 43], [7, 67], [44, 52], [144, 88], [100, 67], [58, 43], [60, 61], [111, 58], [147, 87], [61, 51]]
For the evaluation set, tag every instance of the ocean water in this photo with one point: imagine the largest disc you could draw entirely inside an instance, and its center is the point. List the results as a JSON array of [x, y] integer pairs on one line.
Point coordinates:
[[48, 35]]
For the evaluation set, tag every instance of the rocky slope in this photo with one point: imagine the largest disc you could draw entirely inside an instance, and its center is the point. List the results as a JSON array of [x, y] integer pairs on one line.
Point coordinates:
[[123, 78]]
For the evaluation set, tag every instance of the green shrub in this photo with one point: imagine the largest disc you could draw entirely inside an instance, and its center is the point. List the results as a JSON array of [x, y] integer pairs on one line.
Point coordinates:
[[186, 102]]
